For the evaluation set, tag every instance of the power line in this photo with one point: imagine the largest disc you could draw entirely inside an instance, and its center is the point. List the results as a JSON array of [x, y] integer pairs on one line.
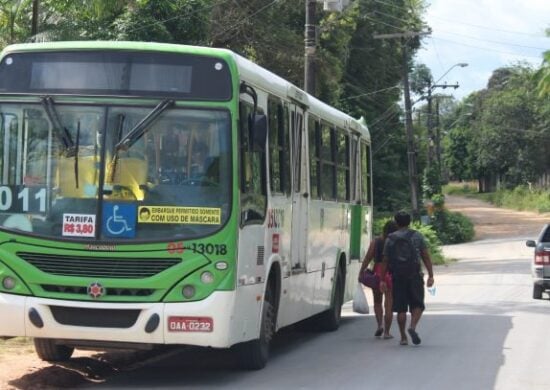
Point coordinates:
[[386, 24], [186, 14], [437, 55], [464, 23], [243, 20], [406, 9], [486, 48], [489, 28], [492, 41], [370, 93], [464, 35]]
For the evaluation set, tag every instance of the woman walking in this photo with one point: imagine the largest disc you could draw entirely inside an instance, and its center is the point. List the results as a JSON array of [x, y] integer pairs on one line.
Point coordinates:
[[375, 252]]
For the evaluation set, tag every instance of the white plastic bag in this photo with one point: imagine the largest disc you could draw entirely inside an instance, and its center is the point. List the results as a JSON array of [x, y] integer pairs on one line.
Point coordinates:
[[360, 304]]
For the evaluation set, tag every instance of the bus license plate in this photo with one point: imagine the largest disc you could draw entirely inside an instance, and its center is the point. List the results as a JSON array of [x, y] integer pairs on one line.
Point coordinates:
[[190, 324]]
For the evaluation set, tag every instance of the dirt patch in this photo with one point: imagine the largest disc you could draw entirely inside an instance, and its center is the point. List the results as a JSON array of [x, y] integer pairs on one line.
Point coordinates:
[[21, 369], [491, 222]]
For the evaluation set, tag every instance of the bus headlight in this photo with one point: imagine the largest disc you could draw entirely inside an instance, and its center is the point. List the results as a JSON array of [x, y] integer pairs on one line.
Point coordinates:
[[188, 291], [207, 277], [8, 283]]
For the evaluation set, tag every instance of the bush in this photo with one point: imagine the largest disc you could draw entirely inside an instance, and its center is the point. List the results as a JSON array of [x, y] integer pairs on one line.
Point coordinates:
[[378, 225], [452, 228], [432, 241]]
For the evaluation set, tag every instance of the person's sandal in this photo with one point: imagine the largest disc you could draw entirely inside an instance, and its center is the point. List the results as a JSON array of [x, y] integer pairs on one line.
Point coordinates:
[[403, 342], [378, 332], [414, 336], [388, 337]]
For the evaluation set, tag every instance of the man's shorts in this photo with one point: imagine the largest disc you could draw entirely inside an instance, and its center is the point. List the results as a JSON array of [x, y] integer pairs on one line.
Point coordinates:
[[408, 293]]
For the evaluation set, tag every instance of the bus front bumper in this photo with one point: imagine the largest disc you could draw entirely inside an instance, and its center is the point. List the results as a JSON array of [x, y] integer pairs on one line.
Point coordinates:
[[157, 323]]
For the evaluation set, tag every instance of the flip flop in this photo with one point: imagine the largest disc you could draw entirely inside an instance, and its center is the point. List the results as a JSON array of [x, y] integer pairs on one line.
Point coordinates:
[[414, 336], [403, 342], [378, 332], [388, 336]]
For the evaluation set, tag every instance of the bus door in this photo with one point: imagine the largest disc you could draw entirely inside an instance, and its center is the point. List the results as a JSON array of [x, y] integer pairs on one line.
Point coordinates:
[[298, 248]]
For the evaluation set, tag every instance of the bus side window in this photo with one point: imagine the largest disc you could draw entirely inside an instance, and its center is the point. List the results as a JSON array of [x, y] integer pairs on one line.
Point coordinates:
[[253, 167]]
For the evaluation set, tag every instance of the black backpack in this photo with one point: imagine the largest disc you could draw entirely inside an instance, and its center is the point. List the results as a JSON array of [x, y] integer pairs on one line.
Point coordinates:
[[402, 255]]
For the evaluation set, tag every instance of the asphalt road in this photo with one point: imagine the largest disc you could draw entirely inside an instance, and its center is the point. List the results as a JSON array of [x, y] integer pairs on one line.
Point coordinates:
[[481, 330]]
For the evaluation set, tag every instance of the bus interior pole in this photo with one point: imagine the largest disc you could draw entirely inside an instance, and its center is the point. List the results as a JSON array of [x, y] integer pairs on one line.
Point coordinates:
[[411, 152], [310, 49]]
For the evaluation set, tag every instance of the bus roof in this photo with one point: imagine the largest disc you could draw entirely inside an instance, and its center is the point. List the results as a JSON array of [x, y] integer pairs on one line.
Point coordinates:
[[253, 73]]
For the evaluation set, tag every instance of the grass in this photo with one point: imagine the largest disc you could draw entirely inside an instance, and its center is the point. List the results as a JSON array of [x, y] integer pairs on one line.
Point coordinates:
[[462, 188], [519, 198]]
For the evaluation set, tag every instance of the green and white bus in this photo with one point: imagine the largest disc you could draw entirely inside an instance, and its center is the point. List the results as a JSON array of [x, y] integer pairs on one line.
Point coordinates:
[[167, 194]]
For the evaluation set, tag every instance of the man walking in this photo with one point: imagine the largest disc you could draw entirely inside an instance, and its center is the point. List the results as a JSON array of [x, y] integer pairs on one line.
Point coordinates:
[[402, 253]]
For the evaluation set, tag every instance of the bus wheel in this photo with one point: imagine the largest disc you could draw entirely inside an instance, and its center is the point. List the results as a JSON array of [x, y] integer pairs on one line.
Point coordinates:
[[48, 350], [253, 355], [330, 320]]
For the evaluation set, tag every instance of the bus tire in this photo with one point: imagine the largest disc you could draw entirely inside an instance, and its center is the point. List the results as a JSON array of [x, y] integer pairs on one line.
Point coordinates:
[[253, 355], [329, 320], [48, 350]]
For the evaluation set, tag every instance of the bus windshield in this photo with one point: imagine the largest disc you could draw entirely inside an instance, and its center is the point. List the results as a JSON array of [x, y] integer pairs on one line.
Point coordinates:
[[63, 175]]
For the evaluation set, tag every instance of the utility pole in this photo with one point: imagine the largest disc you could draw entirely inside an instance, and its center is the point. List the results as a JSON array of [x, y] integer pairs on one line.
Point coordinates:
[[429, 122], [310, 66], [411, 150], [310, 48], [34, 23], [437, 137]]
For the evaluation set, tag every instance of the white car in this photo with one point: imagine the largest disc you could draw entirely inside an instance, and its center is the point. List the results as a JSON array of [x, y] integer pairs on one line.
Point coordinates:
[[540, 267]]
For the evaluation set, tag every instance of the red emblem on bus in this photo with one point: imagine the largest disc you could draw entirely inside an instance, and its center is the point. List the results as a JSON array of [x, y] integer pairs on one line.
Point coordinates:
[[96, 290]]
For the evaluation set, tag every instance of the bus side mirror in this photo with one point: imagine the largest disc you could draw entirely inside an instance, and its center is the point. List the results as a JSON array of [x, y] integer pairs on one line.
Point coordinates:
[[259, 132]]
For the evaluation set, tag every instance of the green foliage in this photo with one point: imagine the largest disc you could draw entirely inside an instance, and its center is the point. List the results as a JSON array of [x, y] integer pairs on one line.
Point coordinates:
[[506, 134], [421, 79], [431, 181], [456, 155], [372, 88], [451, 227], [543, 75], [438, 200], [465, 189], [378, 225], [522, 198], [14, 24], [432, 241]]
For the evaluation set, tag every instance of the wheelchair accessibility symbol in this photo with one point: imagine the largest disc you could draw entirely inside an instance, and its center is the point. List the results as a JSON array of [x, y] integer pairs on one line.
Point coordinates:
[[119, 220]]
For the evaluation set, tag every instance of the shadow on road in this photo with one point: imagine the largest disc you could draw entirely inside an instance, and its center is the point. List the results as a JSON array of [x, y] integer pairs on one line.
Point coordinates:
[[458, 352]]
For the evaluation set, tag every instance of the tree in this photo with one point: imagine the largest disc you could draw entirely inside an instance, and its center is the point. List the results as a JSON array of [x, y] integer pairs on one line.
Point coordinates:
[[544, 73], [506, 134], [372, 89], [13, 23]]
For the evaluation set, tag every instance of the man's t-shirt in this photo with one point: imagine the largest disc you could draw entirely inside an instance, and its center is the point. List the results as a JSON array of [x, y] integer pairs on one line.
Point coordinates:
[[416, 238]]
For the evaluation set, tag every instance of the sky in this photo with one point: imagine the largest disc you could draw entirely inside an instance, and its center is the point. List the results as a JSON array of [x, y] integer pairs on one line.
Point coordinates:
[[486, 34]]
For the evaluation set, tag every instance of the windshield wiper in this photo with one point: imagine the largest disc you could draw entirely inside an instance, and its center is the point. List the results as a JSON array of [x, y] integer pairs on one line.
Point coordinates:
[[62, 132], [76, 149], [141, 128], [114, 161]]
